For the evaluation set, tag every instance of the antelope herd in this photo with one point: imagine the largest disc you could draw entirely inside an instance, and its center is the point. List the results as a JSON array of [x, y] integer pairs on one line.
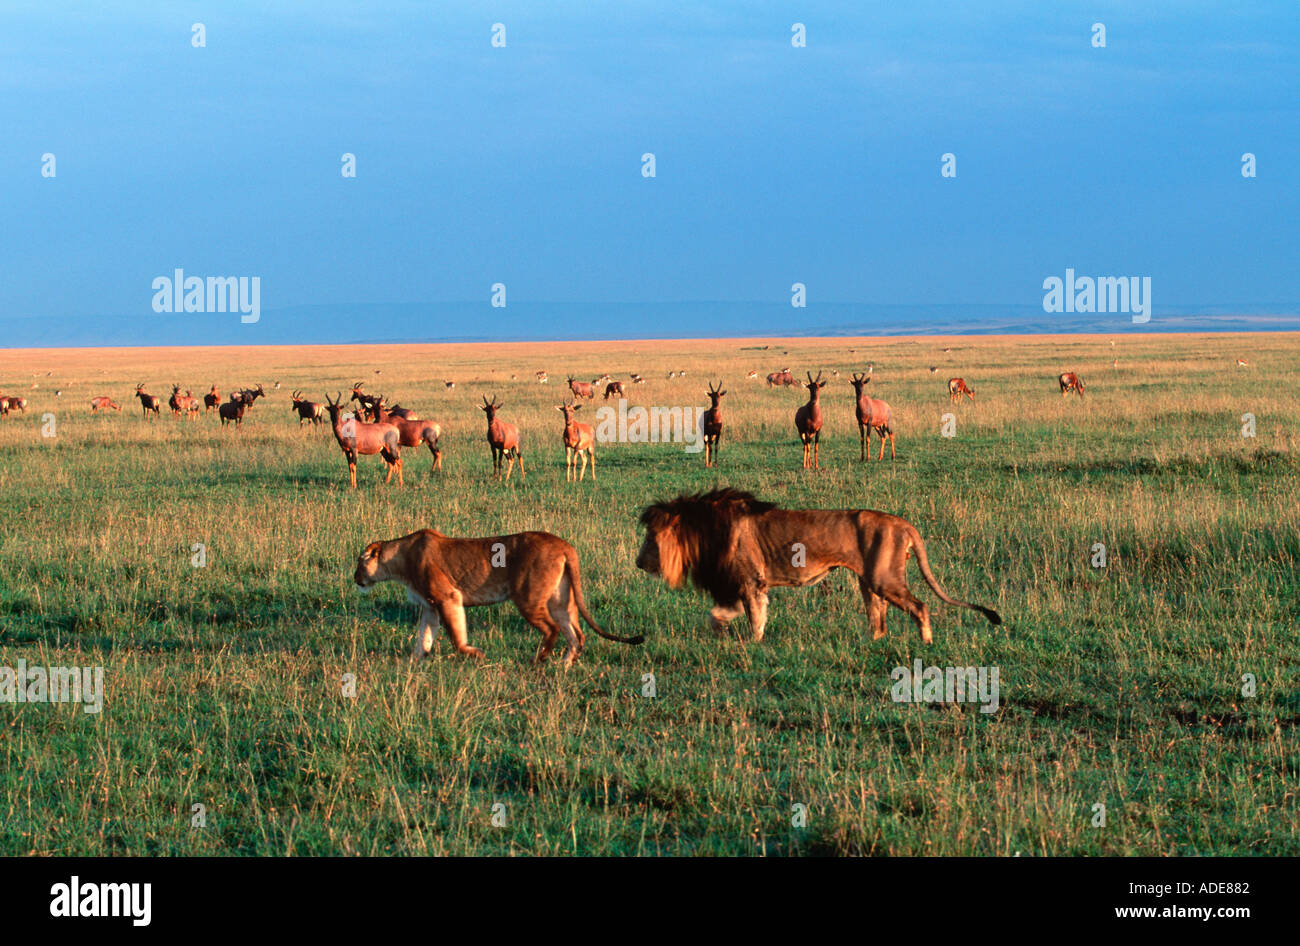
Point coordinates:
[[375, 427]]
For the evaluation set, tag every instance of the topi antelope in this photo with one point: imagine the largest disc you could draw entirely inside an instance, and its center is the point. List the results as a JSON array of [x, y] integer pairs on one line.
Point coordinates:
[[711, 424], [366, 400], [808, 421], [579, 441], [503, 439], [103, 403], [233, 410], [252, 394], [1070, 382], [412, 432], [956, 388], [312, 411], [211, 399], [582, 389], [148, 403], [359, 438], [17, 403], [782, 377], [174, 402], [873, 414], [614, 387]]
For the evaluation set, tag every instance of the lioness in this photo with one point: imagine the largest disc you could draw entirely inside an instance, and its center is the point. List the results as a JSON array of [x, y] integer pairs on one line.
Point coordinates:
[[736, 547], [536, 570]]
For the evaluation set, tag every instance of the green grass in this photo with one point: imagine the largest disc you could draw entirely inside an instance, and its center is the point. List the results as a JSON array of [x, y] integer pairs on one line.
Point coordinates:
[[224, 684]]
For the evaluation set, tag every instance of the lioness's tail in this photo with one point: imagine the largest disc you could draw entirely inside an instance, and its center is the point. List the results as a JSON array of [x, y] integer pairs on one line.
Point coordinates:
[[575, 582], [924, 564]]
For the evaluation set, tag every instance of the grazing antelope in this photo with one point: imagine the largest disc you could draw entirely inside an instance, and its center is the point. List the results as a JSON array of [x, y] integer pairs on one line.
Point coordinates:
[[17, 403], [636, 378], [1071, 382], [579, 441], [934, 369], [4, 407], [359, 438], [582, 389], [412, 432], [504, 440], [449, 385], [233, 410], [671, 375], [103, 403], [541, 377], [711, 424], [312, 411], [404, 413], [211, 399], [808, 421], [1241, 363], [148, 402], [782, 377], [614, 387], [752, 376], [873, 414], [956, 388]]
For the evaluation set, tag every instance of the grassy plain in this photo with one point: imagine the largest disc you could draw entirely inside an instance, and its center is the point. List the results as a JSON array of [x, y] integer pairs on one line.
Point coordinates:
[[1120, 686]]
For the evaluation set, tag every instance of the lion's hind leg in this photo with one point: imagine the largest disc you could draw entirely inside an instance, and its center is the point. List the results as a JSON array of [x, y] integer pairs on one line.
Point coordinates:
[[877, 608]]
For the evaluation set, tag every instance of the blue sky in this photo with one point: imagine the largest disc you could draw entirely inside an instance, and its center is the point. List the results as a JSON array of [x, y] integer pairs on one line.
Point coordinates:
[[521, 164]]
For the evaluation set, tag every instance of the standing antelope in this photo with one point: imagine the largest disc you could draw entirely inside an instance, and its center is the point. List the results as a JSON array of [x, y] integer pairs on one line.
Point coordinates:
[[190, 404], [711, 424], [367, 400], [356, 437], [582, 389], [251, 395], [1071, 382], [503, 438], [174, 402], [808, 421], [233, 410], [614, 387], [873, 414], [17, 403], [211, 399], [148, 402], [312, 411], [541, 377], [579, 441], [411, 432], [956, 388], [103, 403]]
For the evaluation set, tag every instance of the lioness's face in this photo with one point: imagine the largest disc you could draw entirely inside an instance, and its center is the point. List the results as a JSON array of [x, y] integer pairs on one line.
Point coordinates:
[[368, 570], [648, 558]]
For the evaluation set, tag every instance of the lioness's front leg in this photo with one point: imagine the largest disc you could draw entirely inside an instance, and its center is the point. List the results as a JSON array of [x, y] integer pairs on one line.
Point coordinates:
[[453, 616], [425, 627]]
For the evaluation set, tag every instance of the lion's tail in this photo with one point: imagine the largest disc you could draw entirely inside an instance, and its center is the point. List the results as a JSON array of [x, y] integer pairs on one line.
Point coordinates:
[[924, 564], [575, 582]]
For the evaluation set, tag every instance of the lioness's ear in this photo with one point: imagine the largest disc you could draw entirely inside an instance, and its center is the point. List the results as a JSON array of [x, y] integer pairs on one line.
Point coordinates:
[[372, 549]]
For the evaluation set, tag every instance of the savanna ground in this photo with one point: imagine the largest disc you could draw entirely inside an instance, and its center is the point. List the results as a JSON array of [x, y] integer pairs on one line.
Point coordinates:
[[1119, 685]]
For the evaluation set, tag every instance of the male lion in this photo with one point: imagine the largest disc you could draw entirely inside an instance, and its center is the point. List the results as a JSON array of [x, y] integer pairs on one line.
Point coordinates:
[[536, 570], [736, 547]]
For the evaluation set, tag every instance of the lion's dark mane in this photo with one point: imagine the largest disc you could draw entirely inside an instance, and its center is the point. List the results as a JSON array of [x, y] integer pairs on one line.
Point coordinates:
[[705, 524]]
